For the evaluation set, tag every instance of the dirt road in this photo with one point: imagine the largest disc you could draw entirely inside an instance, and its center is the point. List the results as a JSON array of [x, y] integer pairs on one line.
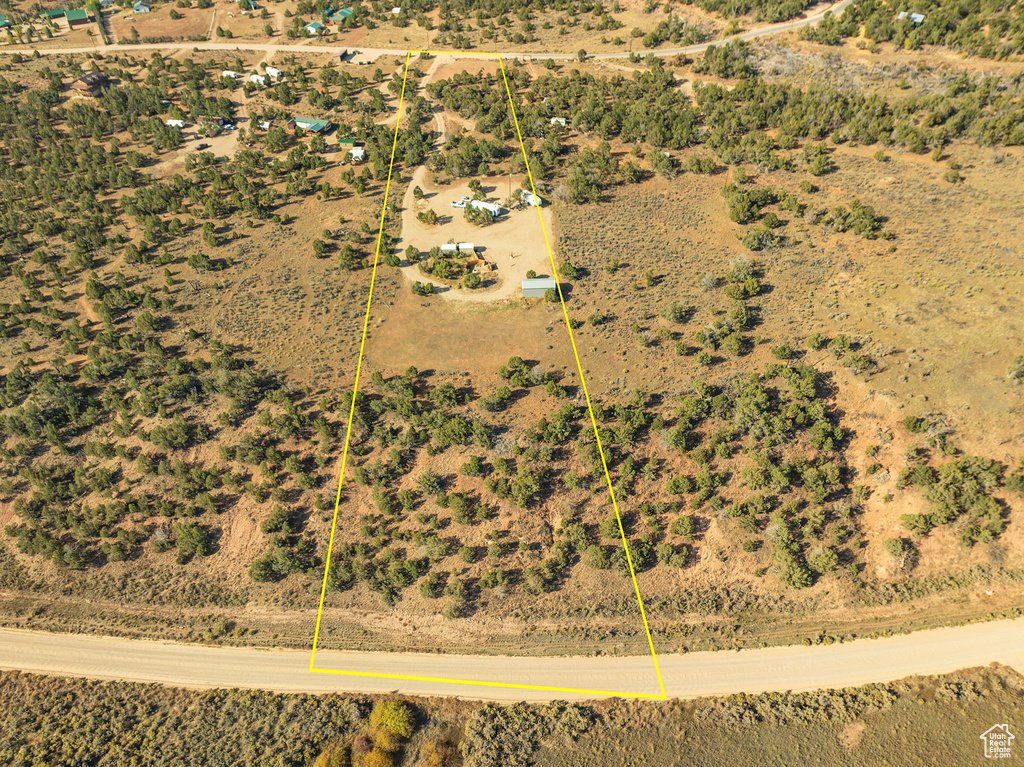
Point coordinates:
[[366, 55], [794, 668]]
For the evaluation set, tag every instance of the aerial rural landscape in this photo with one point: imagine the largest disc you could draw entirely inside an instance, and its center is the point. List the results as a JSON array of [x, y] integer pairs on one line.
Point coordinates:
[[555, 383]]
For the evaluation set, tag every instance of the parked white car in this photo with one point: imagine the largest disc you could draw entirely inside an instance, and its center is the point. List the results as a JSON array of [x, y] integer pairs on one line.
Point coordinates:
[[462, 202]]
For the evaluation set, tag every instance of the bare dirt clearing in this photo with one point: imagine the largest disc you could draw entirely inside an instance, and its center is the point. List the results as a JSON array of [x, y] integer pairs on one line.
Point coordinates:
[[515, 243]]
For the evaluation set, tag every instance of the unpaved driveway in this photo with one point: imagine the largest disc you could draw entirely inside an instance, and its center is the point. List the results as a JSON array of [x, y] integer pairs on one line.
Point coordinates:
[[515, 243], [794, 668]]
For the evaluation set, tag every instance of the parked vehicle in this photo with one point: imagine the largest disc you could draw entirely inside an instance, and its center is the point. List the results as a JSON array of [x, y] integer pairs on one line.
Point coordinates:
[[462, 202]]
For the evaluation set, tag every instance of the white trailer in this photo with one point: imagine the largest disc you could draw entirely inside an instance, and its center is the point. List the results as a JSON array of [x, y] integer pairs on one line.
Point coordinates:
[[466, 247], [532, 200], [258, 79], [449, 248], [490, 207]]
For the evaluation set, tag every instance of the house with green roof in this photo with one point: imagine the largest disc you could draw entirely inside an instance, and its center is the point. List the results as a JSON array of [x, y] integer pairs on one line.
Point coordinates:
[[338, 16], [313, 27], [310, 124], [4, 22]]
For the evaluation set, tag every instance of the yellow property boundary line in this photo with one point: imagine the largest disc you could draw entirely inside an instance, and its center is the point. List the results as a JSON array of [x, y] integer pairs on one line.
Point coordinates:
[[590, 409]]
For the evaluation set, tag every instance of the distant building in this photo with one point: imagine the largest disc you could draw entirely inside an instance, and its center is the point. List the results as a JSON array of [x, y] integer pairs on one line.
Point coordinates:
[[357, 154], [273, 72], [174, 123], [558, 121], [310, 124], [263, 125], [917, 18], [4, 22], [338, 17], [91, 83], [248, 5], [77, 17], [537, 287], [52, 15], [258, 79], [349, 142], [313, 27], [229, 73], [141, 6], [396, 10]]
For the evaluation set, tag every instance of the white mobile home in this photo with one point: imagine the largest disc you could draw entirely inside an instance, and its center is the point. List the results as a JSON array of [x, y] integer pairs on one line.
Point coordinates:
[[258, 79], [449, 248], [273, 72], [490, 207], [229, 73], [174, 123], [467, 247]]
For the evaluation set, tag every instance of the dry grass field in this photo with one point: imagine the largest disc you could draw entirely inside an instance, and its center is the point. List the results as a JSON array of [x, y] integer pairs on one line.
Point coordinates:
[[931, 316]]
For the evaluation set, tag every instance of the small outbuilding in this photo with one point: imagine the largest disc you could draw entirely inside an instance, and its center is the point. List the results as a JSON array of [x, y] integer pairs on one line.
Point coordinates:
[[357, 154], [258, 79], [313, 27], [273, 72], [559, 121], [538, 286], [174, 123], [141, 6], [4, 22], [229, 73]]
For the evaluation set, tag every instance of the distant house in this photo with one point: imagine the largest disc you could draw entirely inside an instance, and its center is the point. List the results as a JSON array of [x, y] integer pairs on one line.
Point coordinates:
[[174, 123], [310, 124], [338, 16], [537, 287], [248, 5], [229, 73], [106, 3], [349, 142], [52, 15], [141, 6], [313, 27], [91, 83], [4, 22], [357, 154], [395, 11], [917, 18], [558, 121], [258, 79], [273, 72], [77, 17], [263, 125]]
